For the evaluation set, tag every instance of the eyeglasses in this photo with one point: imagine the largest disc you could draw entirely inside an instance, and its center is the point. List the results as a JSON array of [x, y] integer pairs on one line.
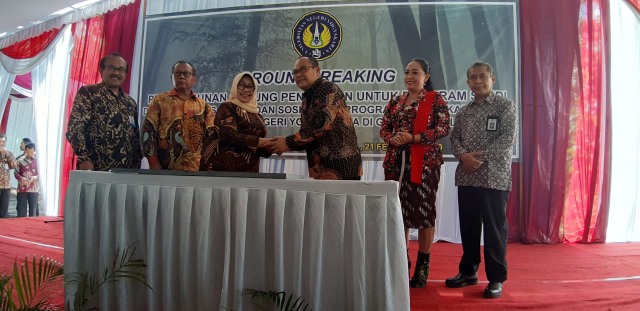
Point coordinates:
[[301, 70], [118, 69], [248, 87], [186, 74]]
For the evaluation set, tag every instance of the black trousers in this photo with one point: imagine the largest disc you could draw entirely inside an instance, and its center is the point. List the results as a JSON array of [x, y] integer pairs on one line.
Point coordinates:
[[478, 207], [27, 197], [4, 202]]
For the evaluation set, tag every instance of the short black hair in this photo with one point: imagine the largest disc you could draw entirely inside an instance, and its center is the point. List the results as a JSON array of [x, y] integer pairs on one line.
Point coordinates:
[[26, 140], [481, 64], [103, 60], [30, 146], [313, 60], [173, 68]]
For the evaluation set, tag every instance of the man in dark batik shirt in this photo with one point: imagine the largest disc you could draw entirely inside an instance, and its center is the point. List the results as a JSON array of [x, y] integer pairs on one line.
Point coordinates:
[[326, 132], [103, 125]]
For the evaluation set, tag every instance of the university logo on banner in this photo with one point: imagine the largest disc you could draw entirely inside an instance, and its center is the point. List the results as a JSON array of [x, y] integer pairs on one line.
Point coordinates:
[[317, 34]]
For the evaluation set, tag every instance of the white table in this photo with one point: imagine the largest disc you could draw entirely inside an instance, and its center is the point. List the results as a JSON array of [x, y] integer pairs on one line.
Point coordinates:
[[338, 244]]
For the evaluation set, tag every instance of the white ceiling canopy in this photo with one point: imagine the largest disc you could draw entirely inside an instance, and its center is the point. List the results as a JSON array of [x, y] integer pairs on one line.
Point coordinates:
[[22, 19], [29, 13]]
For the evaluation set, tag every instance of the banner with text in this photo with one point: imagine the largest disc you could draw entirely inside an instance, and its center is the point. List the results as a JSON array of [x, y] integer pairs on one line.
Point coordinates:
[[361, 47]]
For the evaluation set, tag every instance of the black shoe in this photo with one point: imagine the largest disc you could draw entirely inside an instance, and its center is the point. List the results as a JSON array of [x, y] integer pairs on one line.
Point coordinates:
[[493, 290], [421, 272], [462, 280]]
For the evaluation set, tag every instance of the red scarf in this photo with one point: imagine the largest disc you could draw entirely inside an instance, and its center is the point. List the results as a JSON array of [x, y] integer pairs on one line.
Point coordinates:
[[418, 149]]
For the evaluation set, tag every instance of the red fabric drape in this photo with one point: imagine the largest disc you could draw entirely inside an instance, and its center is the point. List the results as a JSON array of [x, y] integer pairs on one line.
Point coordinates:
[[31, 47], [120, 34], [563, 121], [5, 117], [94, 38], [24, 81], [635, 4], [586, 206]]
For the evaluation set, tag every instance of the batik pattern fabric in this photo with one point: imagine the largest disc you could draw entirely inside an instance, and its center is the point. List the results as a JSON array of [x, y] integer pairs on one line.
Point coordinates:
[[103, 128], [7, 163], [174, 130], [26, 174], [489, 127], [416, 200], [234, 145], [327, 134]]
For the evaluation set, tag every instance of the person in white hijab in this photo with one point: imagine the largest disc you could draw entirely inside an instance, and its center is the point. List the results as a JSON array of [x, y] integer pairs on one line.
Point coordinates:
[[240, 131]]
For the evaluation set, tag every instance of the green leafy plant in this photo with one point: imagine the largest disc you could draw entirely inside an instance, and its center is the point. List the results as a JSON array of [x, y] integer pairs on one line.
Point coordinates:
[[124, 266], [27, 287], [270, 300]]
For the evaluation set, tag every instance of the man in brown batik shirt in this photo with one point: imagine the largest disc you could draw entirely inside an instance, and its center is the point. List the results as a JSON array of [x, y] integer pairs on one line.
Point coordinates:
[[177, 122]]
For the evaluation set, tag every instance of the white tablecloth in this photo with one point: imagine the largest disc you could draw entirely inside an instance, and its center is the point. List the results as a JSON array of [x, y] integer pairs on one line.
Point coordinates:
[[338, 244], [447, 221]]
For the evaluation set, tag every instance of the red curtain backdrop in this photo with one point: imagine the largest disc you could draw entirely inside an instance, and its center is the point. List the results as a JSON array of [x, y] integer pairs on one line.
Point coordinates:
[[635, 4], [24, 81], [31, 47], [586, 206], [94, 38], [5, 117], [564, 121], [514, 203]]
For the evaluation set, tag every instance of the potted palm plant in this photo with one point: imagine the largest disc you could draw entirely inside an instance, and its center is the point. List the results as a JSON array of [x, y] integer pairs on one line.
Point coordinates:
[[28, 287]]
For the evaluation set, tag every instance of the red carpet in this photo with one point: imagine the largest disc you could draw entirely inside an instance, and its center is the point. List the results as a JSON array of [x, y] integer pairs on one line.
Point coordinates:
[[541, 277], [25, 237]]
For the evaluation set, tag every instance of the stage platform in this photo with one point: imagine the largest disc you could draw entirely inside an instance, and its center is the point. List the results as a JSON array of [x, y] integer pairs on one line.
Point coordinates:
[[541, 277]]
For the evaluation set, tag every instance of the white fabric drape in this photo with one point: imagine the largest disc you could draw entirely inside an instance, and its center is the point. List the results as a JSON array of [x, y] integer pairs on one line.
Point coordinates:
[[21, 90], [20, 124], [6, 81], [66, 19], [49, 81], [10, 67], [338, 244], [624, 212]]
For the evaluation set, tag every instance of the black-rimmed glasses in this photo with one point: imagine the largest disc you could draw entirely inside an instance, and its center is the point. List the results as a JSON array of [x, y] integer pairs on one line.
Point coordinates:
[[249, 87], [301, 70], [186, 74]]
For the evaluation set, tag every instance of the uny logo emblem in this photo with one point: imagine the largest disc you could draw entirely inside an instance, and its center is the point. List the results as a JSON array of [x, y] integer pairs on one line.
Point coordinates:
[[317, 34]]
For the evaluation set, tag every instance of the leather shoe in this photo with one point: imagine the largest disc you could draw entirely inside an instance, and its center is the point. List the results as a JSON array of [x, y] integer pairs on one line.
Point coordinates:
[[462, 280], [493, 290]]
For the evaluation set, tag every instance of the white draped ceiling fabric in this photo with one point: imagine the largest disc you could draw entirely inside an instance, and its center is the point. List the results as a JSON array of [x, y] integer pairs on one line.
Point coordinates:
[[12, 67], [83, 13], [49, 95]]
